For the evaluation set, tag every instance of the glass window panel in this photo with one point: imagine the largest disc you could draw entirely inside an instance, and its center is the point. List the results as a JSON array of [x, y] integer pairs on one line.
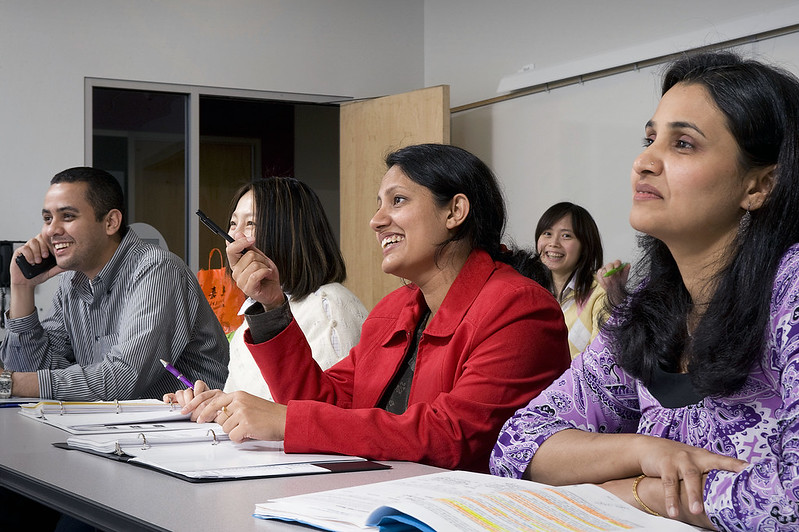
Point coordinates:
[[140, 137]]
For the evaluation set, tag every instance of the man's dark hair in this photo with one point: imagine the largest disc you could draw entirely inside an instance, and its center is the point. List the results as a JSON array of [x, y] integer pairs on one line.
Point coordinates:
[[103, 191]]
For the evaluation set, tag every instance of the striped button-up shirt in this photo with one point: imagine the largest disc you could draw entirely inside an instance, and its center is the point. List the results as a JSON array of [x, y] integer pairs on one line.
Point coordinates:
[[103, 337]]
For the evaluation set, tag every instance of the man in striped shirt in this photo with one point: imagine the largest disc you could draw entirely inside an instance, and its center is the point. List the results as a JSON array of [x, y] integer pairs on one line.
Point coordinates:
[[121, 305]]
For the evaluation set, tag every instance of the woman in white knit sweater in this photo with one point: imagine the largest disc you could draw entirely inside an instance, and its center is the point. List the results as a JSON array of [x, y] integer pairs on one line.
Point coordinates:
[[287, 220]]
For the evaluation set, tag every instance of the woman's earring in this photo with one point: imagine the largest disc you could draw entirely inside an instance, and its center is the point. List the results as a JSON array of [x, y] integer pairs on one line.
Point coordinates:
[[746, 220]]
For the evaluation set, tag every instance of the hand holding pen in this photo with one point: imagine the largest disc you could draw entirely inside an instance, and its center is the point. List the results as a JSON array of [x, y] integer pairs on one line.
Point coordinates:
[[255, 273], [613, 278], [617, 267]]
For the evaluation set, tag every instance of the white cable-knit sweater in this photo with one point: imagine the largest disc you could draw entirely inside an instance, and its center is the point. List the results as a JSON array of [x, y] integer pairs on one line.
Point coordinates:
[[331, 320]]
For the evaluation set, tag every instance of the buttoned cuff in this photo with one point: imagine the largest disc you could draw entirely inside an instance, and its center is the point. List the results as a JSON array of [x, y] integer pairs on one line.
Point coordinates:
[[45, 384], [266, 324], [23, 324]]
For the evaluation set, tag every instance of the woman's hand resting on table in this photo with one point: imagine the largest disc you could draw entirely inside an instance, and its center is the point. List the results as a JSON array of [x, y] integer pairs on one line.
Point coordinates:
[[676, 475], [243, 416]]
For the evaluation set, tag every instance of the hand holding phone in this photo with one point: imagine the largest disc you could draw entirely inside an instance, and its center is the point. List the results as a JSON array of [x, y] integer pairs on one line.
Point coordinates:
[[32, 270]]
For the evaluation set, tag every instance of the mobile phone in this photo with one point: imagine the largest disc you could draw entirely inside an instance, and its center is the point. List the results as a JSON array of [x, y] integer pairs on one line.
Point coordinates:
[[32, 270], [209, 223]]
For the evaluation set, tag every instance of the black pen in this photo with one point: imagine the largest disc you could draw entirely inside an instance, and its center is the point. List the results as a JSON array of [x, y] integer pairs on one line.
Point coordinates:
[[209, 223]]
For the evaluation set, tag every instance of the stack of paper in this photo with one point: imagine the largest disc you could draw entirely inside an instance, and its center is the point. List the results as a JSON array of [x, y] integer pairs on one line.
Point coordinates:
[[49, 406], [229, 460]]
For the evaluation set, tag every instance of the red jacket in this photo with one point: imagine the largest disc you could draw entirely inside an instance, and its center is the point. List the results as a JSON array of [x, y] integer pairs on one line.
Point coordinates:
[[496, 342]]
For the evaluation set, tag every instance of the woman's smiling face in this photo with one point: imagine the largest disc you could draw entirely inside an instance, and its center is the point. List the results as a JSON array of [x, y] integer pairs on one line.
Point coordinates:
[[410, 226], [559, 248]]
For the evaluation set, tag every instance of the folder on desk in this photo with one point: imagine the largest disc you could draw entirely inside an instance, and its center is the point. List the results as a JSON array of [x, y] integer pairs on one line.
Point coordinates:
[[207, 455]]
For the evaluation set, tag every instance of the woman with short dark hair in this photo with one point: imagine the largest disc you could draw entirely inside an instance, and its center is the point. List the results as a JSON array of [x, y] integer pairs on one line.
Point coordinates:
[[287, 221]]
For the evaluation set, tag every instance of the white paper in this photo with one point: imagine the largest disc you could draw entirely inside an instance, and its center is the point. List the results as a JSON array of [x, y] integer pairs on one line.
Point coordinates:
[[228, 459], [50, 406]]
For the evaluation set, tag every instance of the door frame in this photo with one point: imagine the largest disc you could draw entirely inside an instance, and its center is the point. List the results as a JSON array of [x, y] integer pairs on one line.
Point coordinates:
[[193, 93]]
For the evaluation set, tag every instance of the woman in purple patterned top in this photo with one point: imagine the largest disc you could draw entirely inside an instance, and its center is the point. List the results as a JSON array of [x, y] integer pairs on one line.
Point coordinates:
[[687, 403]]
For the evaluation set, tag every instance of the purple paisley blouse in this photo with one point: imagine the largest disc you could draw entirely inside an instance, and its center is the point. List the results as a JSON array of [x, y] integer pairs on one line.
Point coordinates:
[[759, 423]]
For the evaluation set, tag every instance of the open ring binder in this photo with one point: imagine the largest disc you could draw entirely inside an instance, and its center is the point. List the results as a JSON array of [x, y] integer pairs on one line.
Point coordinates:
[[206, 454]]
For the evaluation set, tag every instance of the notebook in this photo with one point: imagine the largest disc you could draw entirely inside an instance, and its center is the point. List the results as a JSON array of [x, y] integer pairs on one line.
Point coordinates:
[[461, 500], [206, 454]]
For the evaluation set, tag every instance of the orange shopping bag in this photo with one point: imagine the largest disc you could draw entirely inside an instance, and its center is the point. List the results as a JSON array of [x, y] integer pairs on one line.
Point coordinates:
[[222, 294]]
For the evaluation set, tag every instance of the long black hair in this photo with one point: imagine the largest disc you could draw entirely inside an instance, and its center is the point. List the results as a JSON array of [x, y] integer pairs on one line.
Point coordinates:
[[761, 107], [586, 231]]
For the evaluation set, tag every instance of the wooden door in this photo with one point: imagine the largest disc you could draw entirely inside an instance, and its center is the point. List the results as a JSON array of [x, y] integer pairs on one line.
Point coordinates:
[[369, 131]]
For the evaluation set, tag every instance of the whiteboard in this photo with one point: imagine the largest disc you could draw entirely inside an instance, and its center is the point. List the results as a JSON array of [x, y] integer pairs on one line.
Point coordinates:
[[577, 143]]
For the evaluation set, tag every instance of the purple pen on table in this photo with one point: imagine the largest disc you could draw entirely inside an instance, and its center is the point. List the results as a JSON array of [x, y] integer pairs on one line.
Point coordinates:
[[182, 378]]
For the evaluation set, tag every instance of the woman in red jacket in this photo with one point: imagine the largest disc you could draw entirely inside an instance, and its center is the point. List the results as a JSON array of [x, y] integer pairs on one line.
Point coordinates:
[[442, 361]]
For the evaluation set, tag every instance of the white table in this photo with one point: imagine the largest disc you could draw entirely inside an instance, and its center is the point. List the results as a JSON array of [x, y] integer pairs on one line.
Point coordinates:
[[114, 495]]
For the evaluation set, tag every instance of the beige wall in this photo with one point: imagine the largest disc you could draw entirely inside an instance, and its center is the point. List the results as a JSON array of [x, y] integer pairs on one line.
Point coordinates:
[[576, 143], [355, 48]]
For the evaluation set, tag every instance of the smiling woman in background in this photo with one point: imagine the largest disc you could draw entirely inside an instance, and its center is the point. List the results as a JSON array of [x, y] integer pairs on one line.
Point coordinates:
[[441, 362], [569, 245]]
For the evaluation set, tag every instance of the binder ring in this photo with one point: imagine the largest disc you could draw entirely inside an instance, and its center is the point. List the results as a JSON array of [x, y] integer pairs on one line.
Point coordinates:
[[213, 435], [61, 410], [144, 444], [117, 449], [119, 407]]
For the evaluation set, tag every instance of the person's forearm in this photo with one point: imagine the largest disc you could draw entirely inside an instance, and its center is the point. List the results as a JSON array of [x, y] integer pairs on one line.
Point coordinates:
[[25, 384], [574, 456], [22, 301]]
